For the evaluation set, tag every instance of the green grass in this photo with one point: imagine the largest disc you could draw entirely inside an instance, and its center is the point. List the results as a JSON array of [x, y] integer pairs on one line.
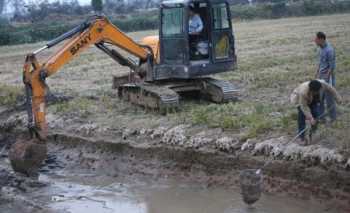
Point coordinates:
[[253, 119], [344, 82], [9, 95], [81, 106]]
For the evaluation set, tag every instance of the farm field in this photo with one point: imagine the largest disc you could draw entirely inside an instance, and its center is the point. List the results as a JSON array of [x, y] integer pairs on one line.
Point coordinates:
[[98, 142], [273, 57]]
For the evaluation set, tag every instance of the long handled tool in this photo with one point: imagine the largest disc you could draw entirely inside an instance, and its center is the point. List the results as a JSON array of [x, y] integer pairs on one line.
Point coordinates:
[[251, 179]]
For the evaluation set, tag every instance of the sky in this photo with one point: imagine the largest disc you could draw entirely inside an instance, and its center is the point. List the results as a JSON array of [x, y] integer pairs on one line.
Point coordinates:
[[84, 2], [81, 2], [9, 10]]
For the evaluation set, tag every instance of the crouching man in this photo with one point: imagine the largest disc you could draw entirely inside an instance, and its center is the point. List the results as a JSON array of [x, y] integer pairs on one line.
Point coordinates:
[[307, 98]]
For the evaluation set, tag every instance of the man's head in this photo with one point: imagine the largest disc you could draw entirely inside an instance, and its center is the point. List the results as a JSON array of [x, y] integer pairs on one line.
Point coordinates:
[[315, 87], [320, 39]]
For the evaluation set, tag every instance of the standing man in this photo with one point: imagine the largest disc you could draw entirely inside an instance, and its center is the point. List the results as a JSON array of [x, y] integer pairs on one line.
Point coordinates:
[[325, 72], [307, 98]]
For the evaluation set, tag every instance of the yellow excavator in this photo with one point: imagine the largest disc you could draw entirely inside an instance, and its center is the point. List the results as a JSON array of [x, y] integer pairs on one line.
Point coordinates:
[[168, 65]]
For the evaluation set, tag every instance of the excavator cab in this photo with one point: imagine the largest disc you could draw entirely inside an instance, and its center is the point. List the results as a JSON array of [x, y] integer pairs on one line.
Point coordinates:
[[187, 56]]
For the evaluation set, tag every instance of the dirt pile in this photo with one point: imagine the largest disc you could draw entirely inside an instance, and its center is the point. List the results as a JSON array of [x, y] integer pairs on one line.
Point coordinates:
[[280, 148]]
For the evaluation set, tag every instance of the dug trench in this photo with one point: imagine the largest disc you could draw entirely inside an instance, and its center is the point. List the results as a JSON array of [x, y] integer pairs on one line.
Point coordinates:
[[198, 176]]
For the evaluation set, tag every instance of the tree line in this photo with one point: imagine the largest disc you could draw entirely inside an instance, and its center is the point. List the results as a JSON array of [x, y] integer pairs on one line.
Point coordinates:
[[38, 9], [45, 21]]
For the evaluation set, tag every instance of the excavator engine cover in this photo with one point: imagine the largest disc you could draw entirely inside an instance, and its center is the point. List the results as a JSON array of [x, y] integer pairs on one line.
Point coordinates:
[[26, 157]]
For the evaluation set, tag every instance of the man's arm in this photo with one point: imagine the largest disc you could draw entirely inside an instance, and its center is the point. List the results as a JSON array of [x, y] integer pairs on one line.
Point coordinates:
[[330, 60], [317, 71], [200, 24], [304, 107]]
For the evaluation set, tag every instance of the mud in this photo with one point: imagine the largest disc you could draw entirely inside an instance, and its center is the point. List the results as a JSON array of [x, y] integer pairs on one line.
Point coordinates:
[[83, 175]]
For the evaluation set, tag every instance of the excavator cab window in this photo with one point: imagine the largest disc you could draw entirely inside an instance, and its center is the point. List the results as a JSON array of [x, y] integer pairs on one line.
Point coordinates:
[[173, 45], [220, 18], [221, 34], [172, 23]]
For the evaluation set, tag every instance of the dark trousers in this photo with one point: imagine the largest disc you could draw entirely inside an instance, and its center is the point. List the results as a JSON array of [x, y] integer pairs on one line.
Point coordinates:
[[315, 111]]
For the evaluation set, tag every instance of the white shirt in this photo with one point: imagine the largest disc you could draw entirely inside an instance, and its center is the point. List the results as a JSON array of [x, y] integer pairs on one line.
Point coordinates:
[[195, 24]]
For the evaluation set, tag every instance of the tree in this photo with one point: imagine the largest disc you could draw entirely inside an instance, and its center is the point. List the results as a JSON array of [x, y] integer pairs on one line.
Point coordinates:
[[19, 8], [2, 5], [97, 5]]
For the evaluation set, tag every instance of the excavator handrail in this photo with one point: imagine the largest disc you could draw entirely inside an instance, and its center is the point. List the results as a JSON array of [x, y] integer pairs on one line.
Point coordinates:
[[68, 34], [80, 28]]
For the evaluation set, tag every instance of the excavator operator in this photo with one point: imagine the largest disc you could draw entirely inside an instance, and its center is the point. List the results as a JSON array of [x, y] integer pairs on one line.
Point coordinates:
[[195, 24], [195, 28]]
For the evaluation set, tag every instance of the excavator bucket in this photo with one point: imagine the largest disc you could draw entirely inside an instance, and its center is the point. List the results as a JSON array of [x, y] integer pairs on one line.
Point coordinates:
[[251, 185], [26, 156]]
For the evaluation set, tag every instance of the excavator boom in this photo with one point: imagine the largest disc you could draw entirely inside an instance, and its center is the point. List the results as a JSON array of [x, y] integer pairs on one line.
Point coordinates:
[[96, 30]]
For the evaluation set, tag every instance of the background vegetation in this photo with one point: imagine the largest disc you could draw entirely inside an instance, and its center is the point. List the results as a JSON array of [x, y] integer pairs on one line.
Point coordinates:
[[44, 25], [30, 33]]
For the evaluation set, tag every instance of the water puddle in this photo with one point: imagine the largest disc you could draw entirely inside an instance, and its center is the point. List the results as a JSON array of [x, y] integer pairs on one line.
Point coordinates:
[[91, 194]]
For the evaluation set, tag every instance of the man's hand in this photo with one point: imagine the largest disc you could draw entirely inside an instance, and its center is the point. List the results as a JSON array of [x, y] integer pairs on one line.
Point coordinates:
[[329, 73], [317, 73], [312, 120]]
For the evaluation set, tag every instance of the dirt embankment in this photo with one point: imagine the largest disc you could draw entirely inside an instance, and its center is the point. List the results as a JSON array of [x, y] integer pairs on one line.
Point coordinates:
[[209, 156]]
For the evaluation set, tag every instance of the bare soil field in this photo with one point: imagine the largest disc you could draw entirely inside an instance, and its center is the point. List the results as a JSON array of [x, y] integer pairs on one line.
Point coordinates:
[[274, 56]]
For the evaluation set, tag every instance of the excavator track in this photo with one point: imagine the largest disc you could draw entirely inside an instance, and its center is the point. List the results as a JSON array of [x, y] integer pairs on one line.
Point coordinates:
[[164, 96], [149, 96], [219, 91]]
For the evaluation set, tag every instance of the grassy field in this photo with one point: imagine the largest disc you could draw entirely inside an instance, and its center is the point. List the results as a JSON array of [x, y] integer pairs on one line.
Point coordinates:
[[274, 57]]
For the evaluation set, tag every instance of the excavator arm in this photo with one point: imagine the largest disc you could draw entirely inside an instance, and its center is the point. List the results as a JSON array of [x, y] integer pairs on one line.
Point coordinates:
[[96, 30]]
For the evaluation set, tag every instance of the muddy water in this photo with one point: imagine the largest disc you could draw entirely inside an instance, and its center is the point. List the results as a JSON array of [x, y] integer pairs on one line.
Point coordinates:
[[92, 194], [107, 178]]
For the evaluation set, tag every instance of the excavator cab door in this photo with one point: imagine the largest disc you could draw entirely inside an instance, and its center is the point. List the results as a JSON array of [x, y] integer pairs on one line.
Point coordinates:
[[174, 41], [222, 37]]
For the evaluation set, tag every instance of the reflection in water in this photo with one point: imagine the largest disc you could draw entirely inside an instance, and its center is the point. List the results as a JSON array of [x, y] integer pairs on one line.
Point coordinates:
[[167, 197]]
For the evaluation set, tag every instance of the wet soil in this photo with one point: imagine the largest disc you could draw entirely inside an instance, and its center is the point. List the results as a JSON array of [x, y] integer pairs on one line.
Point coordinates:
[[87, 175]]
